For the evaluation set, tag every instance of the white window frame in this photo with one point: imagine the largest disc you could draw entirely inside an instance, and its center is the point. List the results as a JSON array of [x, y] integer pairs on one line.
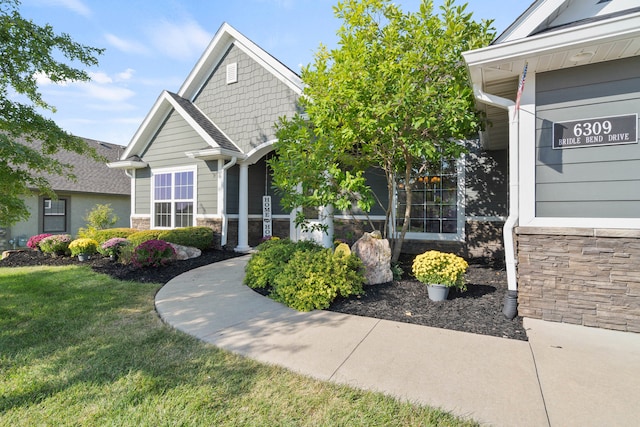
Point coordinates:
[[459, 235], [173, 170]]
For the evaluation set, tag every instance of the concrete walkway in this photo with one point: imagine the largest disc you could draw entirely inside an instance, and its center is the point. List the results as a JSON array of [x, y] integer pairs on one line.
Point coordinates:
[[565, 375]]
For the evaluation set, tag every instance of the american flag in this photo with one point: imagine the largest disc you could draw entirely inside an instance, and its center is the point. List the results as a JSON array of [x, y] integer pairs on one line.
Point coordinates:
[[521, 86]]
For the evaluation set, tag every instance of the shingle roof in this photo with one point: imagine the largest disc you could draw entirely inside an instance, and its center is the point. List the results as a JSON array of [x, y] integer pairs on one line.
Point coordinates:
[[92, 176], [204, 122]]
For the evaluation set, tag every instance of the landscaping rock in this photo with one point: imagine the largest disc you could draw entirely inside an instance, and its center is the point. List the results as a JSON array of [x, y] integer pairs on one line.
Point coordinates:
[[186, 252], [375, 254]]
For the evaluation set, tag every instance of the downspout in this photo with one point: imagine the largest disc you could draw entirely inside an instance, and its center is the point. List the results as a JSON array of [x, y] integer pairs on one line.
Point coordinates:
[[225, 225], [510, 305]]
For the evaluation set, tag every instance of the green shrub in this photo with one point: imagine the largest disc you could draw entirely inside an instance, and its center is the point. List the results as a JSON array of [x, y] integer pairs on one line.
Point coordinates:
[[83, 246], [313, 279], [125, 254], [153, 253], [101, 216], [142, 236], [197, 237], [271, 258], [58, 244], [102, 236]]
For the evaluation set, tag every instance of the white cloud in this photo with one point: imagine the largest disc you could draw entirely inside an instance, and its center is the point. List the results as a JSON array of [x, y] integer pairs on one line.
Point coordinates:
[[182, 41], [126, 46], [100, 77], [125, 75], [76, 6], [107, 93]]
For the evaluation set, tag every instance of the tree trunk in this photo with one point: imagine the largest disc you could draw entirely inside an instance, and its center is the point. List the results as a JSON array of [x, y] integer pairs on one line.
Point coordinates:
[[397, 247]]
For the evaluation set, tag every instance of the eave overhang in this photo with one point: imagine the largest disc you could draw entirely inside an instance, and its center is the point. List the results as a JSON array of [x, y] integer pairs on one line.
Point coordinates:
[[127, 164], [215, 154], [614, 38]]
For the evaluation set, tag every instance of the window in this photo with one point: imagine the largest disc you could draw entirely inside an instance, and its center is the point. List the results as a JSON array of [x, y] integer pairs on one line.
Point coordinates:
[[435, 204], [173, 199], [54, 216]]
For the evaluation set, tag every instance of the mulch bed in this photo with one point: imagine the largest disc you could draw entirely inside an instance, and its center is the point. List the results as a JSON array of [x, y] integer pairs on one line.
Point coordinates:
[[479, 310]]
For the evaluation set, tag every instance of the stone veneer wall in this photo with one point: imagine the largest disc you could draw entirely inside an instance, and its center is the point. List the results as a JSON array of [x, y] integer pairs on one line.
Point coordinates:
[[141, 223], [588, 277]]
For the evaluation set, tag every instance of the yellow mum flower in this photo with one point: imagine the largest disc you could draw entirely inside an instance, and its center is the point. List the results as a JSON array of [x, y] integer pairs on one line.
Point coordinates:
[[435, 267]]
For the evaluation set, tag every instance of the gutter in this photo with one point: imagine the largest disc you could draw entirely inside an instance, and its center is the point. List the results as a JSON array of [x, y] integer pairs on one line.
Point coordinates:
[[514, 193]]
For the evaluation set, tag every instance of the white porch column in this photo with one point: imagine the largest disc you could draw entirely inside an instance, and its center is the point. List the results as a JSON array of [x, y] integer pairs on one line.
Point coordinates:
[[243, 209], [326, 217]]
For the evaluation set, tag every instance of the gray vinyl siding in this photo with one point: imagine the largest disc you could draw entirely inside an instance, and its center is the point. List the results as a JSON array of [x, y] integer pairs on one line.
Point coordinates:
[[590, 182], [248, 109], [486, 181], [168, 149], [143, 192]]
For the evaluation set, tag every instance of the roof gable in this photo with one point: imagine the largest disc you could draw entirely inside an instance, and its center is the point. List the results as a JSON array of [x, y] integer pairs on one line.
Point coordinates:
[[224, 39], [190, 112], [164, 105], [548, 15]]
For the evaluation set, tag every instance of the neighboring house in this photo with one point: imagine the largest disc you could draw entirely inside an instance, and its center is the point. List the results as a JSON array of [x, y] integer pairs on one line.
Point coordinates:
[[95, 184], [199, 159], [573, 234]]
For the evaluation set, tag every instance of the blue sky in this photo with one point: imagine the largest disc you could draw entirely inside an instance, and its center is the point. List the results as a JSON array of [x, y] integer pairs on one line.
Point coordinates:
[[152, 45]]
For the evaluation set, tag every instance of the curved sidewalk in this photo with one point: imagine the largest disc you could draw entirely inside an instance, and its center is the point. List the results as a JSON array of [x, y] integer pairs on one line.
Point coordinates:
[[565, 375]]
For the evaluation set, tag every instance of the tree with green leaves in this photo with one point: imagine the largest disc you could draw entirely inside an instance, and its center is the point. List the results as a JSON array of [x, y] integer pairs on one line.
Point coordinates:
[[394, 96], [28, 52]]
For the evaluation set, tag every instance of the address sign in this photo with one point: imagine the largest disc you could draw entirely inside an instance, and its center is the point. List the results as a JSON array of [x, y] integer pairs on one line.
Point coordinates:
[[596, 132]]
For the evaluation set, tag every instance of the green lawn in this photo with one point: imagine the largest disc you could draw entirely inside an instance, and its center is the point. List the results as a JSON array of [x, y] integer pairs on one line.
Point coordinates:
[[79, 348]]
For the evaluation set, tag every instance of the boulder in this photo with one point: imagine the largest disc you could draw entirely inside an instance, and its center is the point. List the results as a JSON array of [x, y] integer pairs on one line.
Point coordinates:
[[186, 252], [375, 254]]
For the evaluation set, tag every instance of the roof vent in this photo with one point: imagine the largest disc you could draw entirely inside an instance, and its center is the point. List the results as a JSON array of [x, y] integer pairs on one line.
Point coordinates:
[[232, 73]]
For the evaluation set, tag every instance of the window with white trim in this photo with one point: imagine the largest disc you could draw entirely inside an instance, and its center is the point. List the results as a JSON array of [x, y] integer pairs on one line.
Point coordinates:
[[173, 199], [54, 218], [437, 210]]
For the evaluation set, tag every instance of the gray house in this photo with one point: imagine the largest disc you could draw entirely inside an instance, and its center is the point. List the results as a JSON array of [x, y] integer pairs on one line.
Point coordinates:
[[199, 159], [95, 184], [199, 156], [561, 89]]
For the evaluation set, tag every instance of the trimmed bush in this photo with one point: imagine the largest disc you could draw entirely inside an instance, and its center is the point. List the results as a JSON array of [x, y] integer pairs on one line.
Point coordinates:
[[197, 237], [142, 236], [34, 241], [83, 246], [58, 244], [313, 279], [153, 253], [271, 258], [102, 236]]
